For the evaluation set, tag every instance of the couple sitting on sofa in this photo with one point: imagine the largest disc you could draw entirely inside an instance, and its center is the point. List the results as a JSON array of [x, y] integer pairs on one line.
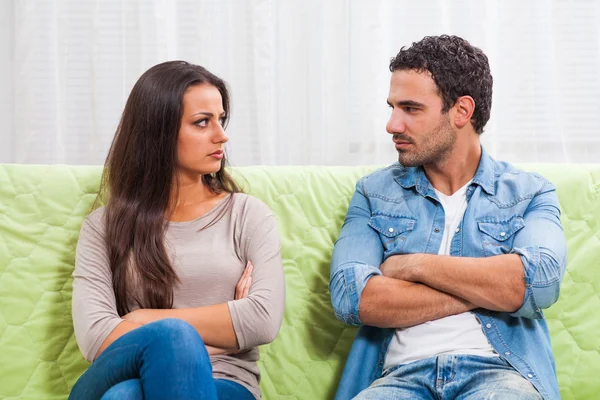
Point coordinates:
[[446, 258]]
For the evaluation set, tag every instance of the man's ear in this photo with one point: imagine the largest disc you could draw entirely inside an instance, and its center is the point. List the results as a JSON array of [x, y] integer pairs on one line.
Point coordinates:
[[464, 109]]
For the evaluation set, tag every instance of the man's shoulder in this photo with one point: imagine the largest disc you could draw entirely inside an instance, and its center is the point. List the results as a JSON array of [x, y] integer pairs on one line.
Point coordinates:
[[510, 179], [383, 177]]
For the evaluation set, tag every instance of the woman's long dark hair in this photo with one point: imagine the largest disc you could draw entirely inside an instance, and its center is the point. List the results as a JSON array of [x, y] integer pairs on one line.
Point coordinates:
[[139, 178]]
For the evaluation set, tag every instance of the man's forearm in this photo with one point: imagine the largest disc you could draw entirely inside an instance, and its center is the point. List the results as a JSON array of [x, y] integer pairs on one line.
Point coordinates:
[[495, 283], [392, 303]]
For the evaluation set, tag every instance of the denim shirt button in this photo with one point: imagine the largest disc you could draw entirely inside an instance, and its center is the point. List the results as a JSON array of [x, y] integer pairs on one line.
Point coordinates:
[[457, 230], [529, 376], [502, 234], [391, 230], [507, 353], [488, 326], [436, 230]]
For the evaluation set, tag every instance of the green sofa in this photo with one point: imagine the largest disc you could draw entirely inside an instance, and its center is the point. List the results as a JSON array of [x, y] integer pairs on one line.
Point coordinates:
[[42, 207]]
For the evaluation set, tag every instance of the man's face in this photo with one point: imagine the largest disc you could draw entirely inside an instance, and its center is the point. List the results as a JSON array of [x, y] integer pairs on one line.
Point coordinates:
[[421, 132]]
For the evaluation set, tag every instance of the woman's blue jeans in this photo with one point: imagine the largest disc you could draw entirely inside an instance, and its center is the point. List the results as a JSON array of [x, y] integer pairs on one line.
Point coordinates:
[[166, 359]]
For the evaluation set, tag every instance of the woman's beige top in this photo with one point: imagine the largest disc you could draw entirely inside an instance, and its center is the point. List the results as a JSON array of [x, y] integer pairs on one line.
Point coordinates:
[[209, 263]]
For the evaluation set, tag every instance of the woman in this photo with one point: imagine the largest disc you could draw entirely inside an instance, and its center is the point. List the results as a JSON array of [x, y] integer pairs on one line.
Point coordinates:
[[178, 278]]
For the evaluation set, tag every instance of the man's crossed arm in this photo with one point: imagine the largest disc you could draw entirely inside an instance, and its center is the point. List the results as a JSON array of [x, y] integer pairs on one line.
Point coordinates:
[[410, 289], [417, 288]]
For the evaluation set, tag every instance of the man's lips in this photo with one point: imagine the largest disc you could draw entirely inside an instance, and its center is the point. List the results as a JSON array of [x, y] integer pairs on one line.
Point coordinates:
[[400, 144], [401, 141]]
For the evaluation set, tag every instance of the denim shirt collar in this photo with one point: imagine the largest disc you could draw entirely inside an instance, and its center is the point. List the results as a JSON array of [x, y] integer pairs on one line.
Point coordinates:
[[484, 176]]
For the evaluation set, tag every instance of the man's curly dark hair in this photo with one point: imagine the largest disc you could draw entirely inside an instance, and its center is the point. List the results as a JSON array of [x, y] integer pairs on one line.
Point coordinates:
[[458, 69]]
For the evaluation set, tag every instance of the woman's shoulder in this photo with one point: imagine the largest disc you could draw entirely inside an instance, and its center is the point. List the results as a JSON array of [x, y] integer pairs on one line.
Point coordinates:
[[91, 234], [254, 220], [250, 208], [95, 219], [249, 203]]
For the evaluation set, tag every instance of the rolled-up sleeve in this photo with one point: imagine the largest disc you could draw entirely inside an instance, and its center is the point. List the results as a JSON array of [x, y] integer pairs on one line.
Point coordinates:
[[542, 247], [356, 258]]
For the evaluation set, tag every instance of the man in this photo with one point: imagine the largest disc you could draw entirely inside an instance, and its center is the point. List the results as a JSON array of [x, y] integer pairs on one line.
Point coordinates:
[[448, 257]]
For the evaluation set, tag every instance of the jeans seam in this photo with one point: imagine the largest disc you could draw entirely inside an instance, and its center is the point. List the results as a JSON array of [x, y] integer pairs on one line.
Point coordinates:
[[109, 351]]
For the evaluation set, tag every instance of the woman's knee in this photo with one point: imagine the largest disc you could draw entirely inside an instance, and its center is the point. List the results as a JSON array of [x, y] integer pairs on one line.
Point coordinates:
[[130, 389], [176, 329], [177, 336]]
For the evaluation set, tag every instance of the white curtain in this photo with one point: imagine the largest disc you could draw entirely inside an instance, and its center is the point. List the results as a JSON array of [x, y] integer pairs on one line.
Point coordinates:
[[309, 78]]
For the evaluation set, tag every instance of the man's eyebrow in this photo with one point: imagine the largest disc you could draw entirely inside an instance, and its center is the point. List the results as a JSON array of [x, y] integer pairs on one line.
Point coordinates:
[[406, 103]]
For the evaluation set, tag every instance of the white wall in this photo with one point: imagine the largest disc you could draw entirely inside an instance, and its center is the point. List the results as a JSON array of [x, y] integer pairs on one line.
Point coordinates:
[[7, 87], [308, 78]]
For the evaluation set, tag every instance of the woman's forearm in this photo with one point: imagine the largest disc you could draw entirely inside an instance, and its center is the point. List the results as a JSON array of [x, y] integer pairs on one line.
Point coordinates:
[[213, 322], [120, 330]]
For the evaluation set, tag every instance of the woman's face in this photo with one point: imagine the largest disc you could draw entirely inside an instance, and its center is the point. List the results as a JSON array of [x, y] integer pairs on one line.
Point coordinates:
[[201, 139]]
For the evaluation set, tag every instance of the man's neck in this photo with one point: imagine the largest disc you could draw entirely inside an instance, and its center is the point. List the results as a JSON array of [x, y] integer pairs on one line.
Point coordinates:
[[456, 170]]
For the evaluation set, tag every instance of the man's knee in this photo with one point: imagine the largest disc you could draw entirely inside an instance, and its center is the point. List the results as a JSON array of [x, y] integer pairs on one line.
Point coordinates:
[[397, 386], [503, 384]]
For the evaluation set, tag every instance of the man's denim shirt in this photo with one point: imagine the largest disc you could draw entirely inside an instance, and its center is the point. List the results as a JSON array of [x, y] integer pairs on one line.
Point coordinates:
[[395, 211]]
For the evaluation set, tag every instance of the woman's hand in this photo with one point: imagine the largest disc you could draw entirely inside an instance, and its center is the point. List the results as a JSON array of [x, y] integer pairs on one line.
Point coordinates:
[[243, 286], [141, 316], [215, 351]]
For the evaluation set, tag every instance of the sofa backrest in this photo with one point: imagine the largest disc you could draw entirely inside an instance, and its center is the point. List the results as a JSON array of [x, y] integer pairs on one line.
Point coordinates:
[[42, 207]]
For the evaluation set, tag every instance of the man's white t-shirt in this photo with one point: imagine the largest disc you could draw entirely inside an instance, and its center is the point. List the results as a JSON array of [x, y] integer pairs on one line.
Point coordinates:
[[456, 334]]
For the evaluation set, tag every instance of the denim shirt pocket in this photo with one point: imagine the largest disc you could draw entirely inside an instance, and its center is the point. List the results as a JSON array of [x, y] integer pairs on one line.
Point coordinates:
[[497, 236], [393, 231]]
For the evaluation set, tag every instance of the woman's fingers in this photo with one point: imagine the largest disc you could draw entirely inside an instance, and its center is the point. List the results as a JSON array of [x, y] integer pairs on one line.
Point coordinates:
[[248, 282], [247, 288], [242, 288]]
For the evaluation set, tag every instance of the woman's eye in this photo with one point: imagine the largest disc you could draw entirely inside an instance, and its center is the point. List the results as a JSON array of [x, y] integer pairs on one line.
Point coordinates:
[[222, 121], [202, 123]]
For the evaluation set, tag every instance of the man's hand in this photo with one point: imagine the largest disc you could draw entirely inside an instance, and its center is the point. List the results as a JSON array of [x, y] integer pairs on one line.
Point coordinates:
[[404, 266]]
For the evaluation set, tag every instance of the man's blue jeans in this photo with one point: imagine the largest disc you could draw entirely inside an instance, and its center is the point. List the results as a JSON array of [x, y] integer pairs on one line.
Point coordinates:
[[166, 359], [452, 376]]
